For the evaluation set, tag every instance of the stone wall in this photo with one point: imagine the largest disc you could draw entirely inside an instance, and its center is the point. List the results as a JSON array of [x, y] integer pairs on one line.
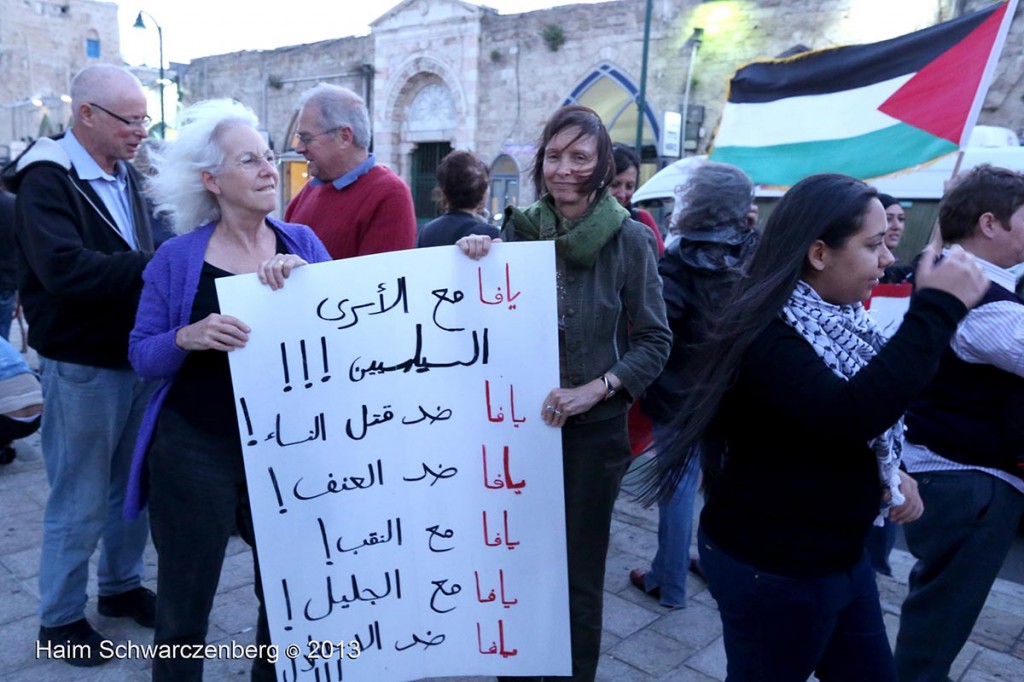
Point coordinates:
[[42, 46], [271, 81], [522, 81], [1004, 105], [501, 80]]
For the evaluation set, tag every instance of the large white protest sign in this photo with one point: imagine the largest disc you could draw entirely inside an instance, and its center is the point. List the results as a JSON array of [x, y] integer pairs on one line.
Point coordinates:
[[406, 494]]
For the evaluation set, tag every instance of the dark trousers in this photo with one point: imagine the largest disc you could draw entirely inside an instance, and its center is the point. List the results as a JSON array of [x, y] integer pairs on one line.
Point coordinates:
[[595, 455], [198, 497], [781, 629], [12, 429], [881, 540], [970, 519]]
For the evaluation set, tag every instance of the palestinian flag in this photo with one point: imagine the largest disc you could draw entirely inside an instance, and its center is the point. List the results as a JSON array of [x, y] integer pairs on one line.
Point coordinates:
[[862, 110]]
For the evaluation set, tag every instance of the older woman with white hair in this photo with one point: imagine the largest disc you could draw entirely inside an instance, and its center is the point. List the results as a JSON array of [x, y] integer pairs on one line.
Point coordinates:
[[218, 183]]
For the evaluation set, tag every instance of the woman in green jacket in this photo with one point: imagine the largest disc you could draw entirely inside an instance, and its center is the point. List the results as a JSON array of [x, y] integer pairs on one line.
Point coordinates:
[[613, 341]]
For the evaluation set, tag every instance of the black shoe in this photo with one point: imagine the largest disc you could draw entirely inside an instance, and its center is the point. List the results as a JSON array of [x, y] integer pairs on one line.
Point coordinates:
[[7, 454], [139, 603], [76, 644]]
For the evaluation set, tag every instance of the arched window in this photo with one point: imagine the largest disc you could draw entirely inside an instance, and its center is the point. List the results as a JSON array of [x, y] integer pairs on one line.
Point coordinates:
[[613, 96], [92, 44], [432, 110]]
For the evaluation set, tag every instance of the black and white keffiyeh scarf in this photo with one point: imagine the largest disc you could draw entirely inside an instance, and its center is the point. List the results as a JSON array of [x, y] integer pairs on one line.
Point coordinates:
[[845, 338]]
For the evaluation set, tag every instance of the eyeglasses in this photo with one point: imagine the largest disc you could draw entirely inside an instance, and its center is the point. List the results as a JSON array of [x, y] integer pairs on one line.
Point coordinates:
[[251, 162], [132, 122], [306, 138]]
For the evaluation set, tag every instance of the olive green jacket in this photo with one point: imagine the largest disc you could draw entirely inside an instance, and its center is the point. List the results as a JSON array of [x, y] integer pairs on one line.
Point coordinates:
[[614, 317]]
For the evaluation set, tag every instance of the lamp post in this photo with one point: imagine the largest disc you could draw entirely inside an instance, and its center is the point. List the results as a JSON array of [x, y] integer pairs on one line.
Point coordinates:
[[641, 100], [695, 41], [139, 23]]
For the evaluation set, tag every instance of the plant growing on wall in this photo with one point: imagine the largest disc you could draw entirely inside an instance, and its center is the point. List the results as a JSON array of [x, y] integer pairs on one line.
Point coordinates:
[[554, 36]]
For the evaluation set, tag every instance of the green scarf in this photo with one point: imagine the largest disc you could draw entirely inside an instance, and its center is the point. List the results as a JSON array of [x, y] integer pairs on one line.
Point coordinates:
[[576, 241]]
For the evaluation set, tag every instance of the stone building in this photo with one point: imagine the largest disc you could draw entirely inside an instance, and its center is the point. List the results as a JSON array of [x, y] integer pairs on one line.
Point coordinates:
[[43, 43], [445, 74]]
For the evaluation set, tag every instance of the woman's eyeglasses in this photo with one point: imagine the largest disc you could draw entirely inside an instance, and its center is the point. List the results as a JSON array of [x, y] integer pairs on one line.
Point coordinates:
[[250, 161]]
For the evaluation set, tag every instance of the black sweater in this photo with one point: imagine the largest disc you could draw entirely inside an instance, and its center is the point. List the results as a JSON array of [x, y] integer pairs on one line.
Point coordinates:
[[800, 486], [971, 412], [451, 227]]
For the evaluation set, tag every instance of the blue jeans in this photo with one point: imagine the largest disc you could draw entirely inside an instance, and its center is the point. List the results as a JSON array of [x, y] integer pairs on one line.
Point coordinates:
[[671, 563], [781, 629], [89, 425], [970, 520], [7, 299]]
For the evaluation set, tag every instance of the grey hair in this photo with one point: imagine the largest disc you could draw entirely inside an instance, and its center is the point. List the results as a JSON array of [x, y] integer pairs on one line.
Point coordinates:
[[715, 195], [177, 186], [338, 107], [96, 81]]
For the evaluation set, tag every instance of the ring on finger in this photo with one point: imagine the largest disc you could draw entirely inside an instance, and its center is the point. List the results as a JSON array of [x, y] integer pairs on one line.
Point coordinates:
[[550, 408], [558, 413]]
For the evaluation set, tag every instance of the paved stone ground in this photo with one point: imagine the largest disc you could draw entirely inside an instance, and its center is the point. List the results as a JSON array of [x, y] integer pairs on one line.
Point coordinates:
[[642, 641]]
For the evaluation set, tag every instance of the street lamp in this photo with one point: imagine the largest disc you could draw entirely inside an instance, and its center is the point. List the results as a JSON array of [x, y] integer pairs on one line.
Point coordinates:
[[695, 41], [641, 100], [139, 23]]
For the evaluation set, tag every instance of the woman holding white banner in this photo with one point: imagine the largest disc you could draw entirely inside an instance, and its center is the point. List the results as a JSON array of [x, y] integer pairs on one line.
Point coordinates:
[[790, 497], [218, 182], [613, 341]]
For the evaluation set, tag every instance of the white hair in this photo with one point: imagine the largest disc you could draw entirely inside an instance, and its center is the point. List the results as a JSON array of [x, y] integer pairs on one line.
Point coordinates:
[[177, 186], [337, 106]]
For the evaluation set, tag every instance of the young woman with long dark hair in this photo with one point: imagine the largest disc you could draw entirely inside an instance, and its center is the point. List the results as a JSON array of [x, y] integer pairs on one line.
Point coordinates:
[[795, 405]]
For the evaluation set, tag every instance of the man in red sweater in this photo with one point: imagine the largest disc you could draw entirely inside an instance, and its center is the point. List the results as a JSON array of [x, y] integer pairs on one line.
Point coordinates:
[[355, 206]]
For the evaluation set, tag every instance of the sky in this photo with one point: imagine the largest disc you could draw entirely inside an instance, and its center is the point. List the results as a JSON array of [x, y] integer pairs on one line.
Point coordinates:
[[199, 28]]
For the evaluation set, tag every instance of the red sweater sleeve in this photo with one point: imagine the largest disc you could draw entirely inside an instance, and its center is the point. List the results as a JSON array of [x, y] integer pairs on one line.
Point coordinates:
[[648, 220]]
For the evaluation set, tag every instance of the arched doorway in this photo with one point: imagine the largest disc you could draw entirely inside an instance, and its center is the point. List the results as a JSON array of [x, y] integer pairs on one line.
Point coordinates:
[[504, 184], [425, 160]]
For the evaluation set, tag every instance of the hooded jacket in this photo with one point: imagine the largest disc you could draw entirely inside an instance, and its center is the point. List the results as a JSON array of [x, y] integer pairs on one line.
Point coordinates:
[[78, 279], [698, 271]]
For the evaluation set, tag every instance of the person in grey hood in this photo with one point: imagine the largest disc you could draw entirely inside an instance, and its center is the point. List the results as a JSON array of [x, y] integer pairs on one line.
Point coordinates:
[[715, 240]]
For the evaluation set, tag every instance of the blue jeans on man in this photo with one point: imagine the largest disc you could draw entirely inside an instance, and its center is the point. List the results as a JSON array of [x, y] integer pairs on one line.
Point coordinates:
[[671, 563], [89, 426]]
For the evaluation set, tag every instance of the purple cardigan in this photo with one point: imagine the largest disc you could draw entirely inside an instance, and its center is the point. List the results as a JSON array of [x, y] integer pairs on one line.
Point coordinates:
[[169, 288]]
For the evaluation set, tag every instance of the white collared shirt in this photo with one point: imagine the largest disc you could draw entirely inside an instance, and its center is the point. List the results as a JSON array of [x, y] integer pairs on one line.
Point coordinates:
[[994, 333], [112, 189]]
